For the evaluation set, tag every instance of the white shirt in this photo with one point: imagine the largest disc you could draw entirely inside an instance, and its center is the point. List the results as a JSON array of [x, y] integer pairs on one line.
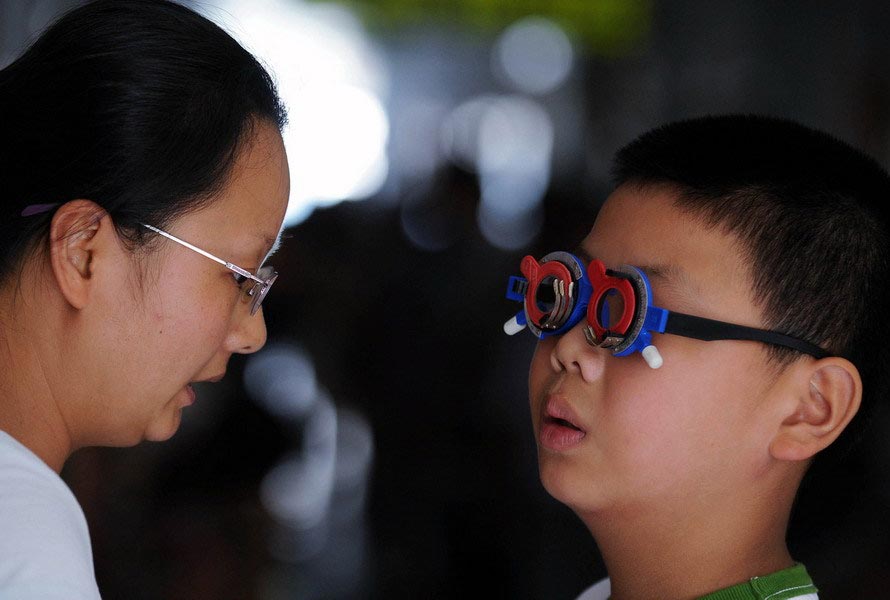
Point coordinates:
[[45, 551]]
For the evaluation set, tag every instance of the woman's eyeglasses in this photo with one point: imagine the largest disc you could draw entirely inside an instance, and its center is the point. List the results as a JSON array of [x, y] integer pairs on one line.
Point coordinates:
[[254, 287]]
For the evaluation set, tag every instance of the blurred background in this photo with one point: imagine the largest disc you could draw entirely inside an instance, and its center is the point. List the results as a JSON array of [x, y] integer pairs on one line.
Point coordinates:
[[380, 446]]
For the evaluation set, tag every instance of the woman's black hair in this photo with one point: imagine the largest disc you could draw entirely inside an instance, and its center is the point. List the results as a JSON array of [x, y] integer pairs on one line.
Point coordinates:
[[139, 105]]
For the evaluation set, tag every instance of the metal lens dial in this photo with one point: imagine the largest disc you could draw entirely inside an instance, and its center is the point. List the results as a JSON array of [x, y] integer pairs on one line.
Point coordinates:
[[552, 290]]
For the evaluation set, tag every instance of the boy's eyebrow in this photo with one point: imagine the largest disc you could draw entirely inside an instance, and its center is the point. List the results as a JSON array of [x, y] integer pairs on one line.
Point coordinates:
[[669, 273], [665, 272], [580, 252]]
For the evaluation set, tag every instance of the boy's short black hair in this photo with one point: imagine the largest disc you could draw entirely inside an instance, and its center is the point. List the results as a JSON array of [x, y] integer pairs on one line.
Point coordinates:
[[811, 213]]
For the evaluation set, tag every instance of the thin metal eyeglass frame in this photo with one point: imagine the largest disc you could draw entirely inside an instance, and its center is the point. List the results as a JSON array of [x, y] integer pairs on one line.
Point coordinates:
[[266, 283]]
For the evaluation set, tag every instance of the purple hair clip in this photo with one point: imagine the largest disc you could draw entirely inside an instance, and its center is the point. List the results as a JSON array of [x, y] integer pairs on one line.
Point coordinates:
[[36, 209]]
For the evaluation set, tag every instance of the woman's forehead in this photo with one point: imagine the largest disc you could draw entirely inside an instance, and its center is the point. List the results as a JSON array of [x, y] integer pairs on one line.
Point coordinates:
[[252, 204]]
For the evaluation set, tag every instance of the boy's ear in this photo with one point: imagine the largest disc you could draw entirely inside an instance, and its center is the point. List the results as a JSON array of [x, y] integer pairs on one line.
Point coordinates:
[[72, 240], [824, 397]]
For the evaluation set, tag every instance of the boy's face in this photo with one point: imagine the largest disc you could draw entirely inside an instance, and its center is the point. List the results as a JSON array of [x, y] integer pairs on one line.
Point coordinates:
[[694, 429]]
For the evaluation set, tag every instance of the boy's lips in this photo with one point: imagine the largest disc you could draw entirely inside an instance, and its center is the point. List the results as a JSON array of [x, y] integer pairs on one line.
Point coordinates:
[[560, 429]]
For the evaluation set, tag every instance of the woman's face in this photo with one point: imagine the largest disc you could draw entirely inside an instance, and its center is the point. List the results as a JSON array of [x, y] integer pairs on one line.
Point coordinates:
[[176, 317]]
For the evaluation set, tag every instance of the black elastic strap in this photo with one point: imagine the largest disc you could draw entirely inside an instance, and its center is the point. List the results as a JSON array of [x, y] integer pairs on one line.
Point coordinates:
[[709, 330]]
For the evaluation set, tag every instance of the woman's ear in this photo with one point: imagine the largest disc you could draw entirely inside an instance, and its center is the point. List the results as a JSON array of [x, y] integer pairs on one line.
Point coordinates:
[[824, 397], [72, 240]]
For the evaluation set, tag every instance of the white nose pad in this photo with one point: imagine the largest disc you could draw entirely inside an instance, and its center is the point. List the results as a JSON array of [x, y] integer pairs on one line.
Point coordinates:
[[652, 356], [512, 327]]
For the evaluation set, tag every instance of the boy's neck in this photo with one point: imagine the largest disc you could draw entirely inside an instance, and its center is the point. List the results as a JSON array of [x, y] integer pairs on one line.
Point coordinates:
[[686, 553]]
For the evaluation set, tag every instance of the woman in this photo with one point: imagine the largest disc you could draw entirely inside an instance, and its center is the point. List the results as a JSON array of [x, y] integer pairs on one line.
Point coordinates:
[[144, 182]]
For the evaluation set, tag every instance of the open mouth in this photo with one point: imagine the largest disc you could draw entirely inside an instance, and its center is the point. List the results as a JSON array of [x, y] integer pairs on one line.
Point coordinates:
[[190, 396], [561, 423], [558, 433]]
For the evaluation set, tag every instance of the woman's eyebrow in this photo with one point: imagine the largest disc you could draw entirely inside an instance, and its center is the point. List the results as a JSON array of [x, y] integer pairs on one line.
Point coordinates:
[[272, 243]]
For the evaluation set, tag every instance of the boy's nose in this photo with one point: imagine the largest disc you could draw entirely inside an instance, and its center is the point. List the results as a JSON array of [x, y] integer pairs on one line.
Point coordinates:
[[573, 354]]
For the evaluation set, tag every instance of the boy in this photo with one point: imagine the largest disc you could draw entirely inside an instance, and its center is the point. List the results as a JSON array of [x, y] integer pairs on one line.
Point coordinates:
[[680, 436]]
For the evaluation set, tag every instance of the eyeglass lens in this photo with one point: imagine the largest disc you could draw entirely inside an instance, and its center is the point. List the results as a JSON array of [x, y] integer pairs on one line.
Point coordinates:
[[257, 292]]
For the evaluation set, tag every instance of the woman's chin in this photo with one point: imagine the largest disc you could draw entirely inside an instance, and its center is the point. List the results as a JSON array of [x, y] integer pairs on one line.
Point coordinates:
[[163, 429]]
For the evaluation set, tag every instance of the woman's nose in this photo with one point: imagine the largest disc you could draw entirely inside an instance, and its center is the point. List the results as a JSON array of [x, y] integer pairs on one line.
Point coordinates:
[[248, 334], [573, 354]]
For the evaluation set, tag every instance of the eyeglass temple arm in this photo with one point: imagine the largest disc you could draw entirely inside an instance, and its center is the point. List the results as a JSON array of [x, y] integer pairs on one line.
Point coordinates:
[[228, 265], [708, 330]]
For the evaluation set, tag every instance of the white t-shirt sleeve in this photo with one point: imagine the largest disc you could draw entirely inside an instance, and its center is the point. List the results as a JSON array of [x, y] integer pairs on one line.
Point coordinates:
[[600, 590], [45, 550]]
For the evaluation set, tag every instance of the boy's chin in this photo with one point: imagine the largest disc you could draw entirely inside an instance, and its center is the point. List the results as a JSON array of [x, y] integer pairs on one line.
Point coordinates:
[[567, 484]]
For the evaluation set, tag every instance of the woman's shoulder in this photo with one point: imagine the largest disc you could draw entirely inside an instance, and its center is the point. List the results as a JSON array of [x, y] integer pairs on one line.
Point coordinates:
[[22, 473], [44, 540], [34, 498]]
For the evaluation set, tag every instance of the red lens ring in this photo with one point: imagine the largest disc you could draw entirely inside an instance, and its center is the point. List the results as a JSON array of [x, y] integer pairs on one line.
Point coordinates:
[[603, 283]]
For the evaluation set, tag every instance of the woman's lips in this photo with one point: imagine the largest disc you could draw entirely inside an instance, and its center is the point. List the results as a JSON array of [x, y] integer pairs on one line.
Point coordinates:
[[559, 429], [190, 396], [190, 391]]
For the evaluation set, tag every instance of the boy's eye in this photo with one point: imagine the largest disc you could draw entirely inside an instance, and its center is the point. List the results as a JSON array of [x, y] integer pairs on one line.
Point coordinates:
[[545, 297], [610, 309]]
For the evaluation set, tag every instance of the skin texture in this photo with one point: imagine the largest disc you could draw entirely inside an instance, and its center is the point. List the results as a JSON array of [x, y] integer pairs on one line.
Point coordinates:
[[102, 341], [686, 474]]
